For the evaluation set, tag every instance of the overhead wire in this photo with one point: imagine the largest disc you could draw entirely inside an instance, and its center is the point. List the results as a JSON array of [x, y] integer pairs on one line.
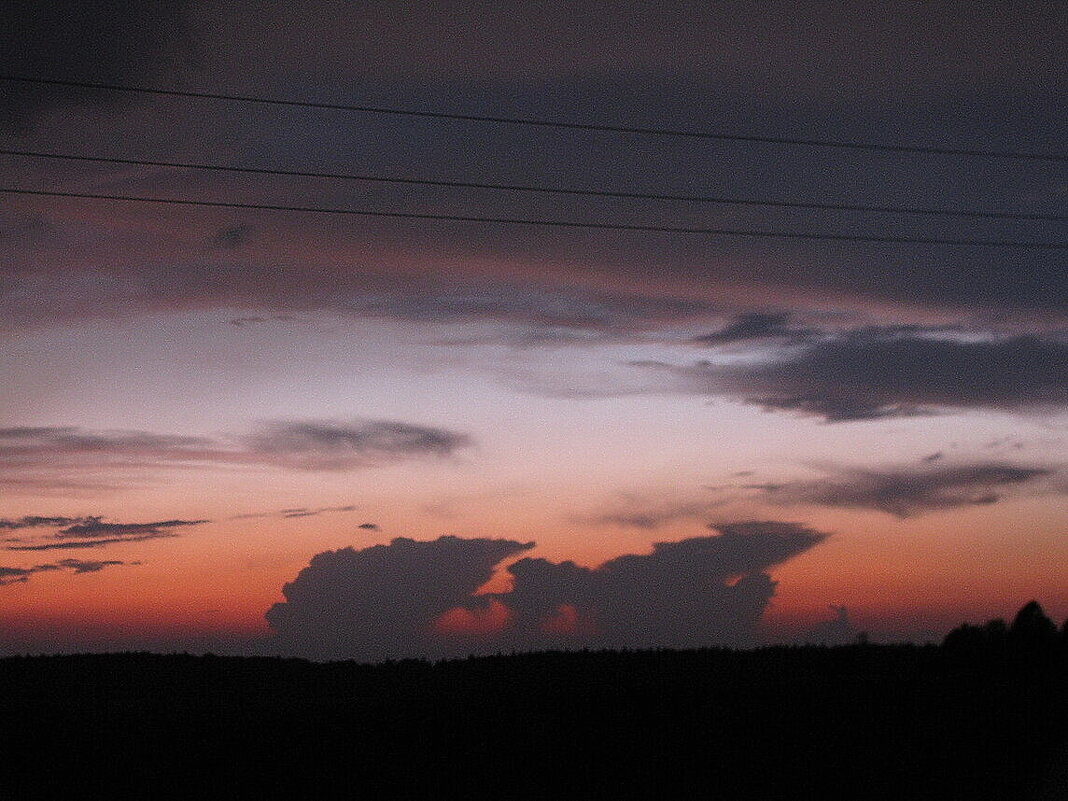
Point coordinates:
[[933, 150], [672, 229], [528, 188]]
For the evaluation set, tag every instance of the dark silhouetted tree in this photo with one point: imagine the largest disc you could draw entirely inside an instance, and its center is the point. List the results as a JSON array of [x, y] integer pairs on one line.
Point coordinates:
[[971, 639], [1032, 630]]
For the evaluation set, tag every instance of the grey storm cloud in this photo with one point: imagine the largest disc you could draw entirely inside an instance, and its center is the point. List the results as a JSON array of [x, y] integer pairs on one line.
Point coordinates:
[[20, 575], [67, 456], [385, 601], [382, 601], [909, 491], [999, 74], [874, 374]]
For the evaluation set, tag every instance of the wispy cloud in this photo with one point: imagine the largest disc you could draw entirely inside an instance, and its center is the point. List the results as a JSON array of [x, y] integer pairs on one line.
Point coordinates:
[[336, 445], [637, 511], [95, 532], [68, 457], [20, 575], [906, 492], [299, 511]]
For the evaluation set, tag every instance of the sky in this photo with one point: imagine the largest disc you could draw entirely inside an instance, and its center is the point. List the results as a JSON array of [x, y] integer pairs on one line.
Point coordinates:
[[337, 435]]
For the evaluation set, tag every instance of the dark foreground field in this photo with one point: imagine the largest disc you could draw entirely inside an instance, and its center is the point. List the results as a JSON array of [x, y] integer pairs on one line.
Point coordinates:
[[853, 722]]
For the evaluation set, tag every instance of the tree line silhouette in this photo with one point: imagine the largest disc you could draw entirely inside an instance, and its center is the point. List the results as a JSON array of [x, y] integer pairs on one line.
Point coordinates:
[[1031, 632], [984, 715]]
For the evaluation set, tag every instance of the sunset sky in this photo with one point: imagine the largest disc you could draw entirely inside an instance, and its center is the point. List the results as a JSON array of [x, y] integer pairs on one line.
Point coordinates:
[[195, 401]]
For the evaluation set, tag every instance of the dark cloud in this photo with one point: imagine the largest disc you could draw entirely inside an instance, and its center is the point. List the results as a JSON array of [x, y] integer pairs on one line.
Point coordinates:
[[756, 326], [96, 527], [382, 601], [369, 526], [14, 575], [35, 521], [399, 599], [872, 374], [72, 457], [232, 237], [18, 575], [82, 566], [94, 532], [76, 545], [821, 72], [324, 445], [700, 591], [107, 40], [906, 492]]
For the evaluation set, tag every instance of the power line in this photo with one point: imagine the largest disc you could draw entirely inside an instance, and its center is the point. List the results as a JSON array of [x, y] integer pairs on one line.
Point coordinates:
[[573, 126], [668, 229], [735, 201]]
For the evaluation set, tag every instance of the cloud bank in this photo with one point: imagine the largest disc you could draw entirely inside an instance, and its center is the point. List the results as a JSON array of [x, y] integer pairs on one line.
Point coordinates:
[[413, 598], [871, 374]]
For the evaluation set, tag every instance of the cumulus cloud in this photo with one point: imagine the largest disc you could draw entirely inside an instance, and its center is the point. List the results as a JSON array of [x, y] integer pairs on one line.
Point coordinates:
[[417, 598], [70, 457], [908, 491], [700, 591], [382, 601], [876, 373]]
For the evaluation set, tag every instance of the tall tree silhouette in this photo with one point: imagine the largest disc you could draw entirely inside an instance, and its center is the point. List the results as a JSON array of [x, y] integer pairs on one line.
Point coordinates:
[[1032, 630]]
